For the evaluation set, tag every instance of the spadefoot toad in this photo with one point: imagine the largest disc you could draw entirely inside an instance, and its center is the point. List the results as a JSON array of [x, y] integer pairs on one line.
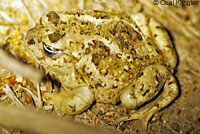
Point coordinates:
[[108, 57]]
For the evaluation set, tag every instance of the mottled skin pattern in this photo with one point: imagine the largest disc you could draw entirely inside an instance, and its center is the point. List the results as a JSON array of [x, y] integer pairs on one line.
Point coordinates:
[[108, 57]]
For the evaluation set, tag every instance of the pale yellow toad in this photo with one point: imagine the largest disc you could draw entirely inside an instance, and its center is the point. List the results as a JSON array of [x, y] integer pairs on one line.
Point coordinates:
[[107, 57]]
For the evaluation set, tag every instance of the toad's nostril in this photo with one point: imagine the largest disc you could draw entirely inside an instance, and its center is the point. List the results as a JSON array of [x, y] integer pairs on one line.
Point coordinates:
[[31, 42]]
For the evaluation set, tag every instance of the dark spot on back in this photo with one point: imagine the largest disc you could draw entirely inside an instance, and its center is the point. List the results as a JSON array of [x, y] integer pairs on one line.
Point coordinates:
[[155, 35], [170, 83], [82, 23], [116, 79], [79, 14], [147, 57], [39, 40], [113, 32], [118, 55], [140, 74], [125, 69], [100, 16], [95, 59], [104, 72], [82, 32], [105, 17], [98, 85], [73, 24], [40, 21], [82, 79], [158, 51], [82, 45], [62, 22], [98, 27], [132, 51], [107, 49], [91, 86], [87, 50], [97, 43], [160, 27], [54, 37], [145, 92], [149, 43], [83, 69], [126, 36], [106, 38], [53, 17], [114, 87], [87, 23], [142, 88], [90, 45], [47, 30]]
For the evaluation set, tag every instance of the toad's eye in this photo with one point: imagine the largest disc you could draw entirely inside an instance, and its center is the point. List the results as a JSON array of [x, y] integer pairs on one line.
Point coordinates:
[[50, 51]]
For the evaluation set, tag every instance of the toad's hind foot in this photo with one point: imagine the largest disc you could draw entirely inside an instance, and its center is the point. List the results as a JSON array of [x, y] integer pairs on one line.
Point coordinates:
[[168, 94]]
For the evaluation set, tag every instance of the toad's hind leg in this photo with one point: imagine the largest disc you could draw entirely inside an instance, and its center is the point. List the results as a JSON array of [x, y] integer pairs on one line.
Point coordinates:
[[152, 29], [72, 101], [167, 95], [164, 43]]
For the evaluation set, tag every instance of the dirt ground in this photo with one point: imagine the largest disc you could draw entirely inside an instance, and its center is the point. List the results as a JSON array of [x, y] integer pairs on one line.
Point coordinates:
[[182, 116]]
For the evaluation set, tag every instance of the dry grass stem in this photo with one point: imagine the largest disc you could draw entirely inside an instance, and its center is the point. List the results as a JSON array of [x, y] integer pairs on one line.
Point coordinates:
[[37, 101], [12, 95], [17, 67], [172, 17], [41, 123]]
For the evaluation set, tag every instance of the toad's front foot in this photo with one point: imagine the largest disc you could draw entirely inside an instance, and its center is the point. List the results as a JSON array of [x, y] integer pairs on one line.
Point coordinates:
[[72, 101]]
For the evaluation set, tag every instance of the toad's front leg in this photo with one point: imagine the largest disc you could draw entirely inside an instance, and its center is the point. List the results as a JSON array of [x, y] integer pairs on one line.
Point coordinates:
[[154, 80], [72, 101]]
